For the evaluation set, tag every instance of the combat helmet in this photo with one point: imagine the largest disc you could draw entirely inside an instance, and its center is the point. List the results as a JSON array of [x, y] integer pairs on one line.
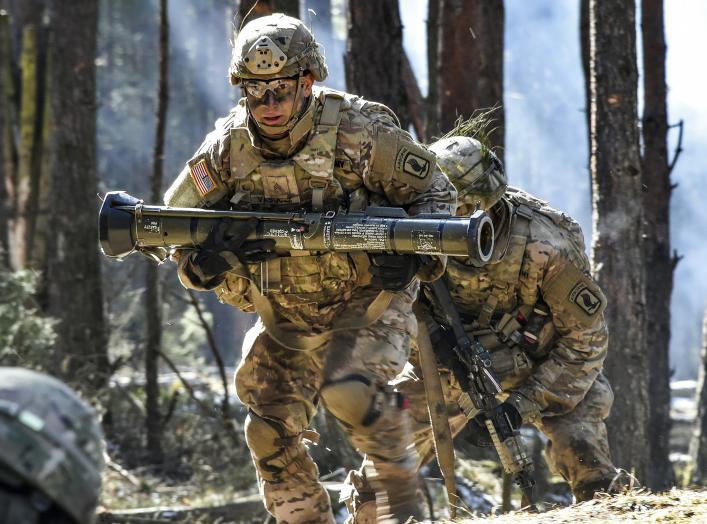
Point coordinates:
[[50, 441], [474, 169], [276, 46]]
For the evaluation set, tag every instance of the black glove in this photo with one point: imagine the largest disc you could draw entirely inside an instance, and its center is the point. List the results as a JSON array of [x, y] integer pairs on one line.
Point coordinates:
[[478, 433], [393, 272], [215, 256]]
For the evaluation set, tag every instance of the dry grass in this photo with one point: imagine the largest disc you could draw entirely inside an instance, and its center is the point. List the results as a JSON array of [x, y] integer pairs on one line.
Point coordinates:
[[638, 505]]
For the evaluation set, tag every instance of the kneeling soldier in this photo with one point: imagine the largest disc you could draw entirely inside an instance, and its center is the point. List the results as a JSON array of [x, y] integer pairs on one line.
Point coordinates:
[[538, 312]]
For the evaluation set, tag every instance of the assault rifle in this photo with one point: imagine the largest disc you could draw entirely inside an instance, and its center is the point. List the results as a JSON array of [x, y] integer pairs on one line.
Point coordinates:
[[473, 370], [127, 225]]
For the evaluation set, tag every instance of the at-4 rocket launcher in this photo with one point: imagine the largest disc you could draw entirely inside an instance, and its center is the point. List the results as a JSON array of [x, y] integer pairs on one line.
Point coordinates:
[[127, 225]]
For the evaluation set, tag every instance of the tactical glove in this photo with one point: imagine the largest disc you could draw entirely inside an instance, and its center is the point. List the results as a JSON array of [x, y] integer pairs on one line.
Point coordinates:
[[479, 434], [226, 247], [393, 272]]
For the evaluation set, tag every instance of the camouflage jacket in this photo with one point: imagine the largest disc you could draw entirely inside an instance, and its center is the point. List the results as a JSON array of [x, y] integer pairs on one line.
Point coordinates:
[[535, 307], [351, 152]]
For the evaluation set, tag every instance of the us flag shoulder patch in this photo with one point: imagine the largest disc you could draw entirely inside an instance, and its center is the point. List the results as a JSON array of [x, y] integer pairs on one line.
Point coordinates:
[[202, 177]]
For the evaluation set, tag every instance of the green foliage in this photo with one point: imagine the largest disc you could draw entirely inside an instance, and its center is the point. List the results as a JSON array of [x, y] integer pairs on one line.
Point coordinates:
[[26, 337], [480, 126]]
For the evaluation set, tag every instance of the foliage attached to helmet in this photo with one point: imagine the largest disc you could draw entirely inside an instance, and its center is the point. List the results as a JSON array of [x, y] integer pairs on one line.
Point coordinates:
[[470, 165], [50, 441], [276, 46]]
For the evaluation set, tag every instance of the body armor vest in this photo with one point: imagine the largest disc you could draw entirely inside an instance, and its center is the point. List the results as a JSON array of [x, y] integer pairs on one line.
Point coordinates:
[[501, 301], [303, 181], [304, 288]]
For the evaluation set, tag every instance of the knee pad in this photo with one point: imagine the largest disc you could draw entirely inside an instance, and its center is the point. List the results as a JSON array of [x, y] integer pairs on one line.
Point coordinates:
[[276, 454], [353, 400], [262, 435]]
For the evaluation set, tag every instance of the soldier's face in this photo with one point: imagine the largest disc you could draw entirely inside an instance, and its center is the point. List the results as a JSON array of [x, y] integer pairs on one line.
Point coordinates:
[[273, 102]]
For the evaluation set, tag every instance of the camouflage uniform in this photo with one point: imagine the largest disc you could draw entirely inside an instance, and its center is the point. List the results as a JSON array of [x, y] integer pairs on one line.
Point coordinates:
[[537, 311], [51, 451], [547, 344], [343, 152]]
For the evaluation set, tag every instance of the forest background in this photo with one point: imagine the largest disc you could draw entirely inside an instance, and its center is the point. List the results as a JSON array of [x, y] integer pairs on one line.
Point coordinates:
[[540, 82]]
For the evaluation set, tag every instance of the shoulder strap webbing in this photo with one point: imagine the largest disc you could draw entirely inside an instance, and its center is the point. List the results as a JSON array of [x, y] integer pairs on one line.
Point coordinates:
[[520, 230]]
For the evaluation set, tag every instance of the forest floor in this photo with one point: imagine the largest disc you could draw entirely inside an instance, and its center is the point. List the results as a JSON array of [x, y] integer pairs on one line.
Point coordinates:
[[207, 475], [676, 505]]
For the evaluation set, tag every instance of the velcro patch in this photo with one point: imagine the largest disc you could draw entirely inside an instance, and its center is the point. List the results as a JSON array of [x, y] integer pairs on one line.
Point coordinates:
[[585, 298], [204, 180], [574, 292], [408, 162]]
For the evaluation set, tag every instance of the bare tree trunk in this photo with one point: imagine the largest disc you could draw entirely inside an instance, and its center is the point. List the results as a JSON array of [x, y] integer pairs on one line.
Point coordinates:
[[433, 21], [28, 104], [584, 45], [74, 273], [6, 145], [618, 225], [415, 101], [659, 272], [289, 7], [698, 444], [40, 186], [471, 62], [20, 225], [253, 9], [153, 300], [371, 72]]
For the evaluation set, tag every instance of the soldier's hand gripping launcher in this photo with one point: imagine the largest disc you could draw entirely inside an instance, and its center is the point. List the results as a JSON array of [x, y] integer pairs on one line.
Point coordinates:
[[127, 225]]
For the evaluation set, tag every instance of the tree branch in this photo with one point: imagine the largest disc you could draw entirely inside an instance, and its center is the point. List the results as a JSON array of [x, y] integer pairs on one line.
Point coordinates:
[[190, 390], [675, 259], [225, 408], [678, 149]]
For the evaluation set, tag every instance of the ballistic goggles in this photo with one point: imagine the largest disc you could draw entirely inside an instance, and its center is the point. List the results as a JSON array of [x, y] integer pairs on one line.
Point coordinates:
[[281, 88]]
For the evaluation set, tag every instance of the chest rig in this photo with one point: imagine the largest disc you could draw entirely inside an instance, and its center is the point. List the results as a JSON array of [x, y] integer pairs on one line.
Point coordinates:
[[305, 180], [502, 301], [482, 291]]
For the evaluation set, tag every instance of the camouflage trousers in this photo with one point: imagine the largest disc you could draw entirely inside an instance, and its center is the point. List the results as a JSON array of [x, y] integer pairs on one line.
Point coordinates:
[[351, 376], [577, 448]]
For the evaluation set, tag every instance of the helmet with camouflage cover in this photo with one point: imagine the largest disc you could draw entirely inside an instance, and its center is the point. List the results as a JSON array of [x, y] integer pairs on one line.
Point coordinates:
[[276, 46], [51, 447], [473, 168]]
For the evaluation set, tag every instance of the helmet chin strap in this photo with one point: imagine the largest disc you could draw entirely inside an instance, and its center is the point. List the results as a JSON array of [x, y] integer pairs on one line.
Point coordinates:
[[276, 132]]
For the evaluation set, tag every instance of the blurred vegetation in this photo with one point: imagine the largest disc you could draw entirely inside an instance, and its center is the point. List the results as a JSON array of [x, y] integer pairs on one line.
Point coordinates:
[[26, 337]]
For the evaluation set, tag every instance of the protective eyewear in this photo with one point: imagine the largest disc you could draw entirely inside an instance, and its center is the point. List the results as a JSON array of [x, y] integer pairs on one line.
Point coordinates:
[[281, 88]]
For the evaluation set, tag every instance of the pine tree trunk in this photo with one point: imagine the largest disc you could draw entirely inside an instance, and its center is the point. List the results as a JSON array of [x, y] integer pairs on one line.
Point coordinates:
[[470, 62], [7, 168], [374, 55], [74, 273], [415, 102], [618, 225], [433, 21], [153, 300], [698, 445], [253, 9], [40, 188], [584, 46], [21, 221], [289, 7], [659, 272]]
